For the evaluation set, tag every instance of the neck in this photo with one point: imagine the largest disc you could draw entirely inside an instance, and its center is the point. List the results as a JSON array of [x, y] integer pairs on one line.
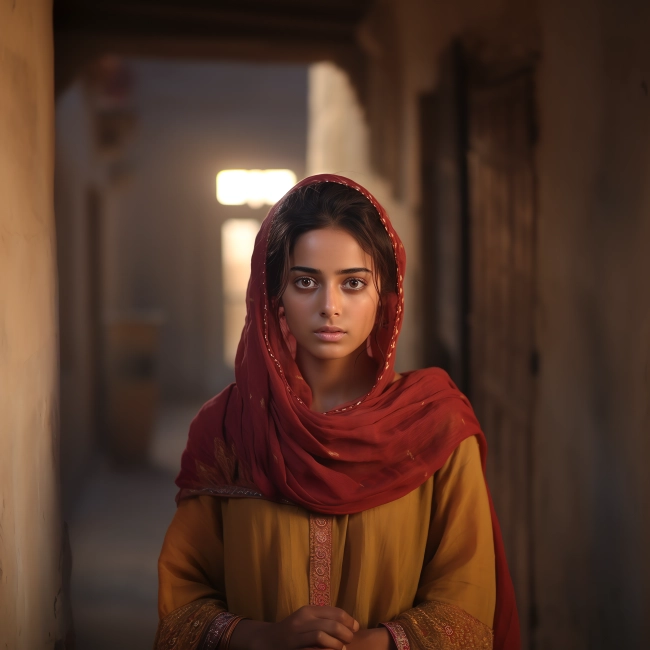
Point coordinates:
[[336, 381]]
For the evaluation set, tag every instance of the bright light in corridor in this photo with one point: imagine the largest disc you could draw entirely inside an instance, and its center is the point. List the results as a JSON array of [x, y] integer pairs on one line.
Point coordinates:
[[256, 187], [237, 242]]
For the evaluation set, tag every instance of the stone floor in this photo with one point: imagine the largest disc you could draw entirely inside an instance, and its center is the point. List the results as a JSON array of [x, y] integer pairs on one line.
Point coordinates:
[[116, 531]]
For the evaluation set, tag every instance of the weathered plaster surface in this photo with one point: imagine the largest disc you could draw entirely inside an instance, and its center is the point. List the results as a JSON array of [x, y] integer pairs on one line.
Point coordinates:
[[32, 608]]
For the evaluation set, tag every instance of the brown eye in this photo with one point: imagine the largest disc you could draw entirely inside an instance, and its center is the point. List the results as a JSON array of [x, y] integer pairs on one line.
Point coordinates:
[[355, 283], [305, 283]]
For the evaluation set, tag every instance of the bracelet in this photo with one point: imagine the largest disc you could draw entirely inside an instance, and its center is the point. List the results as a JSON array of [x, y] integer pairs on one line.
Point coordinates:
[[216, 631], [399, 635], [225, 639]]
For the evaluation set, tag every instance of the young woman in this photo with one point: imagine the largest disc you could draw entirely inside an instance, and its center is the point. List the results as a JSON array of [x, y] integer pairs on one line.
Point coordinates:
[[325, 500]]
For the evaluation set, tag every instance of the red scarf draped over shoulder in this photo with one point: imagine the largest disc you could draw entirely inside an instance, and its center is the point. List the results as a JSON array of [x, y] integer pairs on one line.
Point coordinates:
[[258, 438]]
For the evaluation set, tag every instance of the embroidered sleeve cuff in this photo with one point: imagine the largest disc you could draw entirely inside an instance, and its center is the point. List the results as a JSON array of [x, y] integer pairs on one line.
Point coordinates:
[[398, 634], [216, 630], [188, 625], [435, 625]]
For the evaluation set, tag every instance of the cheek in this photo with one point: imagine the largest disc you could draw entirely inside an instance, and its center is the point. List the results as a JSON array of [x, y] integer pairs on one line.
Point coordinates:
[[294, 311], [368, 312]]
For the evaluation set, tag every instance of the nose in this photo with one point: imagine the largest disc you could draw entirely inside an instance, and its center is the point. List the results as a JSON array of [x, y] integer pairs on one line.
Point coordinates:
[[331, 304]]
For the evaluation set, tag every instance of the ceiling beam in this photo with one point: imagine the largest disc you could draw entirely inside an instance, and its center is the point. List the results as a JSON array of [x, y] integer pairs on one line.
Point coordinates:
[[265, 31]]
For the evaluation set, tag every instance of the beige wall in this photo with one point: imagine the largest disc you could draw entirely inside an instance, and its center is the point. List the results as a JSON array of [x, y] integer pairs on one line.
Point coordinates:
[[33, 609]]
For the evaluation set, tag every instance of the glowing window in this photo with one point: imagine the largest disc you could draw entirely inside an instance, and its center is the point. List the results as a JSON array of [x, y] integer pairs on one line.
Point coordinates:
[[256, 187], [237, 241]]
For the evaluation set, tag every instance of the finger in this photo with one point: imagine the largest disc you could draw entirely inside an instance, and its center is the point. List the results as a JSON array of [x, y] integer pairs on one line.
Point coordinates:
[[320, 639], [335, 614], [329, 626]]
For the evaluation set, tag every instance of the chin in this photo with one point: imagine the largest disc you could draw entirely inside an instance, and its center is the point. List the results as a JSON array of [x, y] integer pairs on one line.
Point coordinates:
[[331, 352]]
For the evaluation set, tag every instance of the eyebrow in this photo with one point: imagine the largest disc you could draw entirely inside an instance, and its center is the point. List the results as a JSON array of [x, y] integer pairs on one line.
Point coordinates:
[[307, 269]]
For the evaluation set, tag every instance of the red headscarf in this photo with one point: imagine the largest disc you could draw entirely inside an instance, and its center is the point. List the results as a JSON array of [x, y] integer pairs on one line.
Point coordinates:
[[259, 438]]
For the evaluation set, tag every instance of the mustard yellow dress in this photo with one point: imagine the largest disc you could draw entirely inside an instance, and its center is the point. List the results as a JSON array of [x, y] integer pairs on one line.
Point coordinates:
[[425, 562]]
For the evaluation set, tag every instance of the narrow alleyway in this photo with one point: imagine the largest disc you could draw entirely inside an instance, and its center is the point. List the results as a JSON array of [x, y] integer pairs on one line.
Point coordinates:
[[116, 532]]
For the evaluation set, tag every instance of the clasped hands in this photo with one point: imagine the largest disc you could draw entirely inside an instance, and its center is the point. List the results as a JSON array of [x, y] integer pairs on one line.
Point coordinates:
[[310, 628]]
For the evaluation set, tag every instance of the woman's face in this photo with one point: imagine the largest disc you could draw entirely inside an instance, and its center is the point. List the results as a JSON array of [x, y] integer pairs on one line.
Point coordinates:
[[330, 302]]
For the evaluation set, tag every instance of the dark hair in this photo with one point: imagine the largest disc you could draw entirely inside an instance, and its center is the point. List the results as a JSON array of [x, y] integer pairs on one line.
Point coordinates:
[[328, 205]]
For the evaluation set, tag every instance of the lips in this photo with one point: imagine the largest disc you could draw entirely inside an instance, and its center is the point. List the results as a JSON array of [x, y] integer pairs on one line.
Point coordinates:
[[330, 334]]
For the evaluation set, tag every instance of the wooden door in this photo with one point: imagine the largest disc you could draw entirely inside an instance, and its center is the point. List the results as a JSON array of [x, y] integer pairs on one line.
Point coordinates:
[[502, 357]]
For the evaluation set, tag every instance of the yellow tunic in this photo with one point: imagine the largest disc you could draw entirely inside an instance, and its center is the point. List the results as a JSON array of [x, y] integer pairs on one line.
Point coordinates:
[[252, 557]]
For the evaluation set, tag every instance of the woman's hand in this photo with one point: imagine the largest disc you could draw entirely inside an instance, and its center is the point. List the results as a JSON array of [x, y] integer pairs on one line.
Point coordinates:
[[308, 627], [377, 638]]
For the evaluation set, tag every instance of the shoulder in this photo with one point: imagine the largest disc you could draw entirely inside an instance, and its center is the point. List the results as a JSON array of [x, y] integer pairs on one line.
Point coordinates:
[[208, 425], [429, 384], [467, 452], [464, 465], [431, 371], [435, 376], [214, 409]]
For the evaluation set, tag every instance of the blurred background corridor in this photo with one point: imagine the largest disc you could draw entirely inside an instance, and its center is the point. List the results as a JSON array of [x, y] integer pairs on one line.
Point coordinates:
[[507, 139], [116, 528], [146, 241]]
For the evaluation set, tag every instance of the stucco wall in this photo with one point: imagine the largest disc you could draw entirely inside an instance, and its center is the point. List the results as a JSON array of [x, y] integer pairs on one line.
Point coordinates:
[[32, 606]]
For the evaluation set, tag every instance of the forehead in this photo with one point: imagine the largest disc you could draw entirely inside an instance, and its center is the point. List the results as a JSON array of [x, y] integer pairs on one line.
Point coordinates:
[[329, 248]]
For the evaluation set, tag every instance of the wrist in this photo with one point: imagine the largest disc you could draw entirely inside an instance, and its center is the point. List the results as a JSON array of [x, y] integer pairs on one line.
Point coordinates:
[[383, 639], [250, 635], [390, 640], [376, 638]]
